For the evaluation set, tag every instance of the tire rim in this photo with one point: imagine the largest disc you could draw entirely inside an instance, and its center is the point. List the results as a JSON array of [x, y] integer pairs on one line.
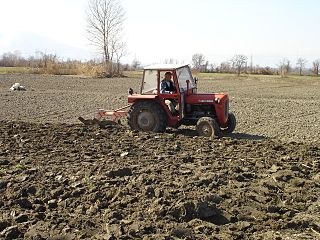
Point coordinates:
[[146, 121], [206, 130]]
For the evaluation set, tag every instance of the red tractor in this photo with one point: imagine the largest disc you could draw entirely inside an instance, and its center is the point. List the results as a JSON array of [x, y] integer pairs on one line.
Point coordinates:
[[149, 110]]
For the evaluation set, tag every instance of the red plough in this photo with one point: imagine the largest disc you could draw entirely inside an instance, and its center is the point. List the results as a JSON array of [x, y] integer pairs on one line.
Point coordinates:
[[104, 118]]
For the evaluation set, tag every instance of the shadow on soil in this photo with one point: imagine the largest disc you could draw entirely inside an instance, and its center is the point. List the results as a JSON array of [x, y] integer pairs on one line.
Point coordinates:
[[247, 136], [193, 133]]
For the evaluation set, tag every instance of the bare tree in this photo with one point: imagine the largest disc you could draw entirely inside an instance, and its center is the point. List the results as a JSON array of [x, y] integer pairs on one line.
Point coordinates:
[[239, 62], [284, 67], [135, 64], [104, 27], [301, 63], [198, 61], [225, 67], [10, 59], [212, 67], [119, 50], [205, 66], [47, 60], [315, 67], [170, 61]]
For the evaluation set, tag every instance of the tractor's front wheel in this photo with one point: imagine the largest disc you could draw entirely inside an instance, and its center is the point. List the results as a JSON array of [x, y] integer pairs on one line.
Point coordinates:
[[147, 116], [208, 127], [230, 125]]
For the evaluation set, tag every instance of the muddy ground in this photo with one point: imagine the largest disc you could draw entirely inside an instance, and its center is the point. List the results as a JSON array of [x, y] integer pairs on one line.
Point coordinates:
[[62, 180]]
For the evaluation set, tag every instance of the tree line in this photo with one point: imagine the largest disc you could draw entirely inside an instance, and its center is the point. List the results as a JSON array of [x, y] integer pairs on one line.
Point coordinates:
[[44, 63], [239, 64], [47, 63]]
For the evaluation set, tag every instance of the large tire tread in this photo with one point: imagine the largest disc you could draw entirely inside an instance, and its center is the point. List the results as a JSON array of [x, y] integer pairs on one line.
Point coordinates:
[[154, 108], [211, 126], [231, 124]]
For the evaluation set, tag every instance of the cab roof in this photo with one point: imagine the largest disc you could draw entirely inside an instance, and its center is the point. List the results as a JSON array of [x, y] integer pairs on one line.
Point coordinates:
[[165, 66]]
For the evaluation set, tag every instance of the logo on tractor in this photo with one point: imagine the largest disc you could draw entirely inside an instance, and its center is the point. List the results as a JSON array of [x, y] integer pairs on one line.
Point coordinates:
[[206, 101]]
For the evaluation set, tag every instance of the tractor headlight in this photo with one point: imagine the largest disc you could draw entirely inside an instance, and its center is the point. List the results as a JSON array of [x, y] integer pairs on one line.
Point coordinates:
[[217, 100]]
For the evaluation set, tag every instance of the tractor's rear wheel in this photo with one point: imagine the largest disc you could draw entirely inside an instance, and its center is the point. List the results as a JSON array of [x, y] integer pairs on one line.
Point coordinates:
[[230, 125], [147, 116], [208, 127]]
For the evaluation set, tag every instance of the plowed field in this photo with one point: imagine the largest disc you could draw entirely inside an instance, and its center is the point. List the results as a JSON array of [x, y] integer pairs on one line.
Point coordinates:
[[62, 180]]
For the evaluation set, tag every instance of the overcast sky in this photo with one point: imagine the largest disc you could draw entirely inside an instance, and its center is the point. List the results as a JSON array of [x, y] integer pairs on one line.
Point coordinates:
[[156, 30]]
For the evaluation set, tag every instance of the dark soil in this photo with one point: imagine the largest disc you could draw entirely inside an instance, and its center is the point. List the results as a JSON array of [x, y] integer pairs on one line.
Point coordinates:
[[75, 182], [63, 180]]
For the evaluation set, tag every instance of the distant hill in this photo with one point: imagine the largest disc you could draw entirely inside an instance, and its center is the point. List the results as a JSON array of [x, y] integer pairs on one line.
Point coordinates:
[[29, 43]]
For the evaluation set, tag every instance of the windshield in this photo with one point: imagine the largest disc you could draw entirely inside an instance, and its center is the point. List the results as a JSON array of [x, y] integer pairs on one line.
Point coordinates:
[[184, 74], [149, 84]]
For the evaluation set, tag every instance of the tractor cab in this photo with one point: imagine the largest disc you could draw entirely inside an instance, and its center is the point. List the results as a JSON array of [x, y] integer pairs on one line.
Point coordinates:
[[153, 75], [181, 79]]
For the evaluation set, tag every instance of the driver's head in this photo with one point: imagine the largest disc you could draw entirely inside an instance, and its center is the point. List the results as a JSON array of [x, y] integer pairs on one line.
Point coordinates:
[[168, 75]]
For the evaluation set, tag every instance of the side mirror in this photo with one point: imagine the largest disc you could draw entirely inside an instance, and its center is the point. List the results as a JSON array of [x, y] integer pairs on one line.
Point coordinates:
[[195, 80], [130, 91], [188, 83]]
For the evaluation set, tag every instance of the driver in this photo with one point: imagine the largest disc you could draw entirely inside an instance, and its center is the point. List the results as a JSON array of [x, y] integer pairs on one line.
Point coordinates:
[[167, 87]]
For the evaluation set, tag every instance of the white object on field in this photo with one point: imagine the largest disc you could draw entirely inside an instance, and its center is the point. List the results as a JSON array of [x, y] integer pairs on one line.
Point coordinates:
[[124, 154], [18, 87]]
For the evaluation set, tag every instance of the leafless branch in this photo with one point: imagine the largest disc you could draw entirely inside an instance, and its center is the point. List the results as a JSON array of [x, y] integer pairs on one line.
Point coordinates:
[[104, 27]]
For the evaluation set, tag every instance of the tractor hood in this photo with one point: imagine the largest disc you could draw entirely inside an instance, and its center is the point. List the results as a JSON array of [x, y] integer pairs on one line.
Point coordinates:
[[219, 101], [206, 98]]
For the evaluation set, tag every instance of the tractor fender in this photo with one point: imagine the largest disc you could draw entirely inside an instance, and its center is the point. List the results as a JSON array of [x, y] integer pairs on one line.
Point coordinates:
[[139, 97]]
